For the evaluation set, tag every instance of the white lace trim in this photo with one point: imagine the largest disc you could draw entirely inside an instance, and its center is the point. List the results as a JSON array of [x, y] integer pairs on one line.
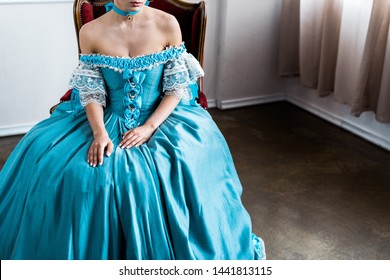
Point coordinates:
[[179, 74], [88, 80], [120, 70], [91, 97]]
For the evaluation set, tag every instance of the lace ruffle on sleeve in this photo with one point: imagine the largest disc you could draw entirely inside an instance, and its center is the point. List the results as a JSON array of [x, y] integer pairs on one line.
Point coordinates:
[[179, 73], [88, 80]]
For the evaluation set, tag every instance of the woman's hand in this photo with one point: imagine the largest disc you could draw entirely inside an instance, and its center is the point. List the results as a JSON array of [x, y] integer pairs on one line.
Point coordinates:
[[100, 143], [136, 136]]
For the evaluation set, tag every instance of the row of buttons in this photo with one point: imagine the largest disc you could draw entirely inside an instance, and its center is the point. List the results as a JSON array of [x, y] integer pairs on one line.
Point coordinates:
[[133, 98]]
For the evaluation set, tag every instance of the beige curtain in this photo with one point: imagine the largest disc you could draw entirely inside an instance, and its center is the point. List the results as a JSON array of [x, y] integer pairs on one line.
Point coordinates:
[[320, 22], [353, 34], [340, 47], [289, 39], [373, 92]]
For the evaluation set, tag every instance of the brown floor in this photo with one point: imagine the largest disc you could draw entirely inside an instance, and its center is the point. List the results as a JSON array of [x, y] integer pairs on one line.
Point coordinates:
[[313, 190]]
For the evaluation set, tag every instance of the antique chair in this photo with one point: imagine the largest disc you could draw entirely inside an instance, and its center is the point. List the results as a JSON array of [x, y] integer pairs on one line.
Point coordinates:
[[191, 17]]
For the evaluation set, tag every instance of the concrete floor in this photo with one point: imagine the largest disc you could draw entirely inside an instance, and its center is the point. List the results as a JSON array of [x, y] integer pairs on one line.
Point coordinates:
[[313, 190]]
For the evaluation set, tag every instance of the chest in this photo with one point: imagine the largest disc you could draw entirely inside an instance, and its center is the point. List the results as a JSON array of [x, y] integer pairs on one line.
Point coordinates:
[[131, 41]]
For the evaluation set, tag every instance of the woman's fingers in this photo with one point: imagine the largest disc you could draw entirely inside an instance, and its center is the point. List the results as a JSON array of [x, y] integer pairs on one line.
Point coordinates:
[[139, 143], [135, 142], [129, 139], [128, 143], [90, 157], [96, 152], [110, 148], [100, 154], [95, 155], [136, 137]]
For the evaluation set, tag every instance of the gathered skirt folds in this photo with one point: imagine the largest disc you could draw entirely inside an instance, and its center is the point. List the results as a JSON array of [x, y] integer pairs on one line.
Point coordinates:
[[176, 197]]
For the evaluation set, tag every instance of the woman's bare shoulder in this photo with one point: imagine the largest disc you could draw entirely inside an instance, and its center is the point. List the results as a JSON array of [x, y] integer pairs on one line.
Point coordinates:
[[169, 25], [89, 35]]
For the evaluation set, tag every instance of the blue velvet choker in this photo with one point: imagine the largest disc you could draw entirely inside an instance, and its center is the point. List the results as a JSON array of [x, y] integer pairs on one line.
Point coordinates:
[[129, 14]]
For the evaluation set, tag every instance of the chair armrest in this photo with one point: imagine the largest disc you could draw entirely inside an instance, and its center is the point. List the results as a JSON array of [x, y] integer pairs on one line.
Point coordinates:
[[65, 97]]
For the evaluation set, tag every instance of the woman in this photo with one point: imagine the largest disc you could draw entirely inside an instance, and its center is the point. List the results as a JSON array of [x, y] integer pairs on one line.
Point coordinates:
[[131, 167]]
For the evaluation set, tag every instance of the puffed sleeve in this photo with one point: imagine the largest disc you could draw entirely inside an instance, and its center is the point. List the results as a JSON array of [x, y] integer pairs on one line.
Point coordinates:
[[179, 74], [88, 80]]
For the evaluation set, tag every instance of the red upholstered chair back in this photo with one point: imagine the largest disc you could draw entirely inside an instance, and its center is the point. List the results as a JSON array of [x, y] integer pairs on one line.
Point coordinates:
[[191, 17]]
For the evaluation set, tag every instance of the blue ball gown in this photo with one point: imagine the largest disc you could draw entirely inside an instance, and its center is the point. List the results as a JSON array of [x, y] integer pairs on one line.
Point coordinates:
[[177, 196]]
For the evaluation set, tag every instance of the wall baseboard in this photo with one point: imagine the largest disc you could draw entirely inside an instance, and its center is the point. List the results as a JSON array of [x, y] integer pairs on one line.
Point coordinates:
[[15, 129], [249, 101], [212, 103], [339, 121]]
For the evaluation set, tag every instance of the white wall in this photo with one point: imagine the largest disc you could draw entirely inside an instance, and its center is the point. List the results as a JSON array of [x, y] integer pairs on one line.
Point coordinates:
[[247, 62], [38, 51], [241, 52]]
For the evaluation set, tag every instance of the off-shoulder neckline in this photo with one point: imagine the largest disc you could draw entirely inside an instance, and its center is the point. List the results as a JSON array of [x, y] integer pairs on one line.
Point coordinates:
[[136, 63], [166, 49]]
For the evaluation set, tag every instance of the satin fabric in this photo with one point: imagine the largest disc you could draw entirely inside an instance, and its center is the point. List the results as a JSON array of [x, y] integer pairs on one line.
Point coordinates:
[[175, 197]]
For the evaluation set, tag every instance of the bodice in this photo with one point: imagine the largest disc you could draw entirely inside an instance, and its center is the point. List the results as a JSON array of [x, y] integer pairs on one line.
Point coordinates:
[[133, 96], [132, 86]]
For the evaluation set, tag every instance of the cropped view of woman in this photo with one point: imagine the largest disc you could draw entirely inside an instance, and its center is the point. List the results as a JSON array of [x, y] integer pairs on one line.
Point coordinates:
[[130, 167]]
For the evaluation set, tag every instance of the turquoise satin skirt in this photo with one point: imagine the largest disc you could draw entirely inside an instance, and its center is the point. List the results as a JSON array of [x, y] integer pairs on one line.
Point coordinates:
[[176, 197]]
